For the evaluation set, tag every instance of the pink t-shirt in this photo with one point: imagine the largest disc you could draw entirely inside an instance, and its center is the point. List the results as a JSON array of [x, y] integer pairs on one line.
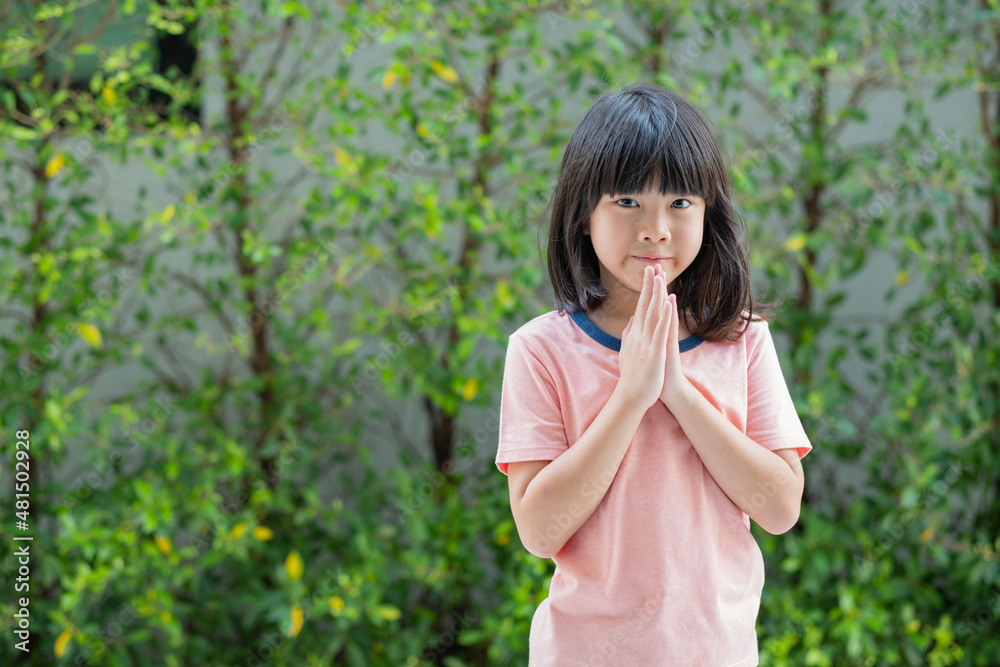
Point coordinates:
[[665, 571]]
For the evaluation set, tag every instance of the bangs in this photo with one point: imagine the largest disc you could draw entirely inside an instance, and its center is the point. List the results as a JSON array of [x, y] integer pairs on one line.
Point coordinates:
[[644, 143]]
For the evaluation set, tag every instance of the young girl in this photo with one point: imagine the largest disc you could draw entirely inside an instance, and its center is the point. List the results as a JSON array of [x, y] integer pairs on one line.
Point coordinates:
[[636, 462]]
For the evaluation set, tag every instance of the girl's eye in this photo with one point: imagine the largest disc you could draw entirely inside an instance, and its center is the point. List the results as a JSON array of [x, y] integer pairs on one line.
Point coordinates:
[[628, 202]]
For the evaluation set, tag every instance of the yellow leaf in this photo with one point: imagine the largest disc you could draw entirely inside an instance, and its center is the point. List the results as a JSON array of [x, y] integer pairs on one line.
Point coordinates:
[[344, 159], [795, 243], [336, 604], [446, 72], [296, 624], [189, 198], [163, 544], [470, 389], [108, 93], [293, 565], [165, 616], [422, 130], [55, 165], [91, 334], [168, 213], [388, 79], [927, 534], [61, 642], [388, 612], [902, 278], [503, 540], [263, 533], [237, 530], [505, 298]]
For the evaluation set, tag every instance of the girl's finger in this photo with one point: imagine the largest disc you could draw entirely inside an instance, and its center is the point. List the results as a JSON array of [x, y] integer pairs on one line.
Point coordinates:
[[675, 320], [647, 283], [660, 334], [656, 304], [671, 332]]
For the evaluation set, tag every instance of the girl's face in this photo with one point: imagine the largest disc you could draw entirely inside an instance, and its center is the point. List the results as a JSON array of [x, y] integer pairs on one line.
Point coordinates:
[[632, 231]]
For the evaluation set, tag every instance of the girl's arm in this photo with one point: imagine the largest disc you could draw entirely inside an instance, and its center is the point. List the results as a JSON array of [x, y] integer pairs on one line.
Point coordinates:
[[765, 484], [550, 500]]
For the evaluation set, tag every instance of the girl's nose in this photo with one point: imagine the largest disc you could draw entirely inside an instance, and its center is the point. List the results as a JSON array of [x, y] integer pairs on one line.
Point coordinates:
[[657, 229]]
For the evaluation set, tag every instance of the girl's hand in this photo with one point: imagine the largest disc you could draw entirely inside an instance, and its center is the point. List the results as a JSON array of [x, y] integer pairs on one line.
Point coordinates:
[[643, 354], [674, 382]]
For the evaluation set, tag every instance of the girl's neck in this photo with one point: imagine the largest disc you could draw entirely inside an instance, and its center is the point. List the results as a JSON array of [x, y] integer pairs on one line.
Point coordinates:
[[612, 319]]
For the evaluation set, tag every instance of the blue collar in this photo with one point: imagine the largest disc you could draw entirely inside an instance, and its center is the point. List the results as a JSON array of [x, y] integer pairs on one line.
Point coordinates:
[[609, 341]]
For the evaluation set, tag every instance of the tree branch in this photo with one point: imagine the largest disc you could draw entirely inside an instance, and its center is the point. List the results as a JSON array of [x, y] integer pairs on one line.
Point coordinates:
[[199, 289], [870, 81], [279, 51]]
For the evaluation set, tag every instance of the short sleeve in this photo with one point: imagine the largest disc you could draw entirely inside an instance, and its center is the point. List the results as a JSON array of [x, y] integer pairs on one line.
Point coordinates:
[[771, 417], [531, 423]]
